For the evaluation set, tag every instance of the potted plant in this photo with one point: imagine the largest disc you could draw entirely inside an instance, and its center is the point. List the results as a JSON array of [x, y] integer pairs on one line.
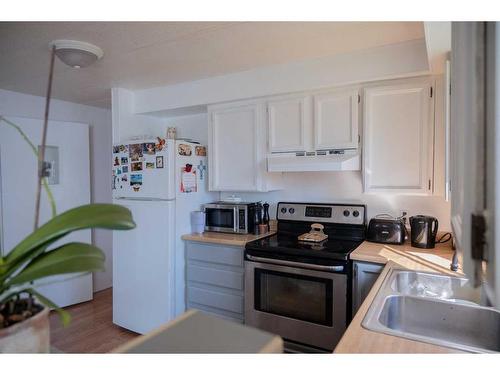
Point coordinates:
[[24, 323]]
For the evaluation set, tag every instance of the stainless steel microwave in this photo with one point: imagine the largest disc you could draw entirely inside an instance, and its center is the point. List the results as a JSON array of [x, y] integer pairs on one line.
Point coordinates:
[[231, 217]]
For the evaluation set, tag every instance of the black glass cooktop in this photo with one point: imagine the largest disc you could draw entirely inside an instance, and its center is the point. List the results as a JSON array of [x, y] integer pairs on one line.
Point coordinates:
[[289, 246]]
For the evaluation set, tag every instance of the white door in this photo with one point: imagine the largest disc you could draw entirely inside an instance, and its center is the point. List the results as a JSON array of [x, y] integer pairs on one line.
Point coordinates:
[[397, 136], [234, 152], [289, 123], [18, 170], [143, 267], [336, 120]]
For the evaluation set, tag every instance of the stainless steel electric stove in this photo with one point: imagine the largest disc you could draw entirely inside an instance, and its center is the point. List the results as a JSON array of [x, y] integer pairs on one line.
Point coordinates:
[[298, 289]]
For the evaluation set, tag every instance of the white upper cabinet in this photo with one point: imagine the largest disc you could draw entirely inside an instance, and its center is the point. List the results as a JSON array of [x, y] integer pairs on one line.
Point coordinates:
[[398, 133], [237, 148], [289, 123], [322, 121], [336, 120], [233, 138]]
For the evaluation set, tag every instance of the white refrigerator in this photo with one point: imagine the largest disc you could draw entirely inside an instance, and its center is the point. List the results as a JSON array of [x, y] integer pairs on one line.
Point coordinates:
[[161, 182]]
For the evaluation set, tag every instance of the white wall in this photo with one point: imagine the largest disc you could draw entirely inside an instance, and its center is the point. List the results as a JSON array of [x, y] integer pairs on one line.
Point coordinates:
[[99, 120], [127, 124], [385, 62], [194, 127], [347, 187]]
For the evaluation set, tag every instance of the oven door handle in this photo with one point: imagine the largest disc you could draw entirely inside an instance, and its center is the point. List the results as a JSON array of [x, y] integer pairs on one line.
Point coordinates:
[[318, 267]]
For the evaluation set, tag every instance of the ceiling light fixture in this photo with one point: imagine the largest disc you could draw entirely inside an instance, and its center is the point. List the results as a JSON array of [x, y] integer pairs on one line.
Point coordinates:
[[75, 53]]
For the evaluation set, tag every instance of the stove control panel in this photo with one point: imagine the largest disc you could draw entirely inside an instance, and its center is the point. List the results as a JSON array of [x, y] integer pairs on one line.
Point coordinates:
[[318, 212]]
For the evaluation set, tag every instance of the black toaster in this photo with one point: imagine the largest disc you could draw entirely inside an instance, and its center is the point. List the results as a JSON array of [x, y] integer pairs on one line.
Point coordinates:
[[390, 231]]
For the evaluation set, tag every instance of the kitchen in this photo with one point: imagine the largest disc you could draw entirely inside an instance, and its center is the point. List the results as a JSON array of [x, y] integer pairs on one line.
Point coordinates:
[[307, 147], [276, 149], [292, 205]]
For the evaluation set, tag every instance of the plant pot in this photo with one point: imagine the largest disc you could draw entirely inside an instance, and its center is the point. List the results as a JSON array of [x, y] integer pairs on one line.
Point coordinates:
[[29, 336]]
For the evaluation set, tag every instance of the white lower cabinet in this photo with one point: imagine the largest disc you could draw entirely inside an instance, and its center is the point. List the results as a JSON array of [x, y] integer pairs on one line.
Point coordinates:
[[237, 142], [398, 138], [364, 276], [215, 280]]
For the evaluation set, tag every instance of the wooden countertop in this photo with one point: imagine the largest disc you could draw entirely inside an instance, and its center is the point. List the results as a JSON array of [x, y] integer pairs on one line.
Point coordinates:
[[225, 238], [357, 339], [437, 259]]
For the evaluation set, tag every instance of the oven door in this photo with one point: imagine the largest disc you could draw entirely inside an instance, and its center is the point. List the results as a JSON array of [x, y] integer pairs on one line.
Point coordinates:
[[221, 218], [301, 305]]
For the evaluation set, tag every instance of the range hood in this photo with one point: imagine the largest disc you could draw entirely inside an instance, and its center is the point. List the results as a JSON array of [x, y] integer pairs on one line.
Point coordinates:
[[343, 160]]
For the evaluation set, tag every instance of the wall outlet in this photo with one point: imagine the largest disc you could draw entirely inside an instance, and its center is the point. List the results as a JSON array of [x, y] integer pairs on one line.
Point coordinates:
[[404, 215]]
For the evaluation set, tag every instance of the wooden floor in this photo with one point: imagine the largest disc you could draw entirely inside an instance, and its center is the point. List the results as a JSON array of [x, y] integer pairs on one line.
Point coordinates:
[[91, 329]]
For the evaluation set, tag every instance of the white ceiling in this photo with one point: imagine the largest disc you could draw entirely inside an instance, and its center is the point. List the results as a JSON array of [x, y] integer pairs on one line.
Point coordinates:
[[140, 55]]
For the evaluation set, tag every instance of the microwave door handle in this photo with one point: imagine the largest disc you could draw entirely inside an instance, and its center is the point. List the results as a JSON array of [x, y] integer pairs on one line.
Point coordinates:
[[236, 223]]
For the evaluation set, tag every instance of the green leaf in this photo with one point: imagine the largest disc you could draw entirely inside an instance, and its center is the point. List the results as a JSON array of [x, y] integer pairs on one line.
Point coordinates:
[[68, 258], [105, 216], [50, 197], [64, 315], [9, 269]]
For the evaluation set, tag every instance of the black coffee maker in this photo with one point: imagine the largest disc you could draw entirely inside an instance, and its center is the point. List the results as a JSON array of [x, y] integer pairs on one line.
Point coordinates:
[[423, 231]]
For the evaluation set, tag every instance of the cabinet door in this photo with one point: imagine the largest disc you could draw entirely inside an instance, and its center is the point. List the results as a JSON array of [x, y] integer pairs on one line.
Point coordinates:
[[397, 138], [234, 133], [289, 123], [365, 275], [336, 120]]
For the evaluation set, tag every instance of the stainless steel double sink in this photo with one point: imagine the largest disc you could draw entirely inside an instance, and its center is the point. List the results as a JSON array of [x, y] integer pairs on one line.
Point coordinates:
[[436, 309]]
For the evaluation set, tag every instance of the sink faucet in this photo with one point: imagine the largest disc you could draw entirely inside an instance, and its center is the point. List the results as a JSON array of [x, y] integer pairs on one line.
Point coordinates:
[[483, 298], [454, 261]]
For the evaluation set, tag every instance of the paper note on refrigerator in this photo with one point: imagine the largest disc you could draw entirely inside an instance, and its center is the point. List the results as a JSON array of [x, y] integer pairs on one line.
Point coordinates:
[[188, 181]]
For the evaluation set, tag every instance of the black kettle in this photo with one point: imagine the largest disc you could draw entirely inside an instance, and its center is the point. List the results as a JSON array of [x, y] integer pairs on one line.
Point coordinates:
[[423, 231]]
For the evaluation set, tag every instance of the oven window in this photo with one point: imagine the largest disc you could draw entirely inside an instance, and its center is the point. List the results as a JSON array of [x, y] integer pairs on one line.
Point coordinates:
[[220, 217], [294, 296]]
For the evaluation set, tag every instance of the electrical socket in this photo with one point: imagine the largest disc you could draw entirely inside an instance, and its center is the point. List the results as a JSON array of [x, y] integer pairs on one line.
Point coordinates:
[[403, 213]]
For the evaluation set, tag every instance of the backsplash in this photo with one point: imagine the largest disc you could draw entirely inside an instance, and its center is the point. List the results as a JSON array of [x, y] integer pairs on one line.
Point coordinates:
[[346, 187]]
